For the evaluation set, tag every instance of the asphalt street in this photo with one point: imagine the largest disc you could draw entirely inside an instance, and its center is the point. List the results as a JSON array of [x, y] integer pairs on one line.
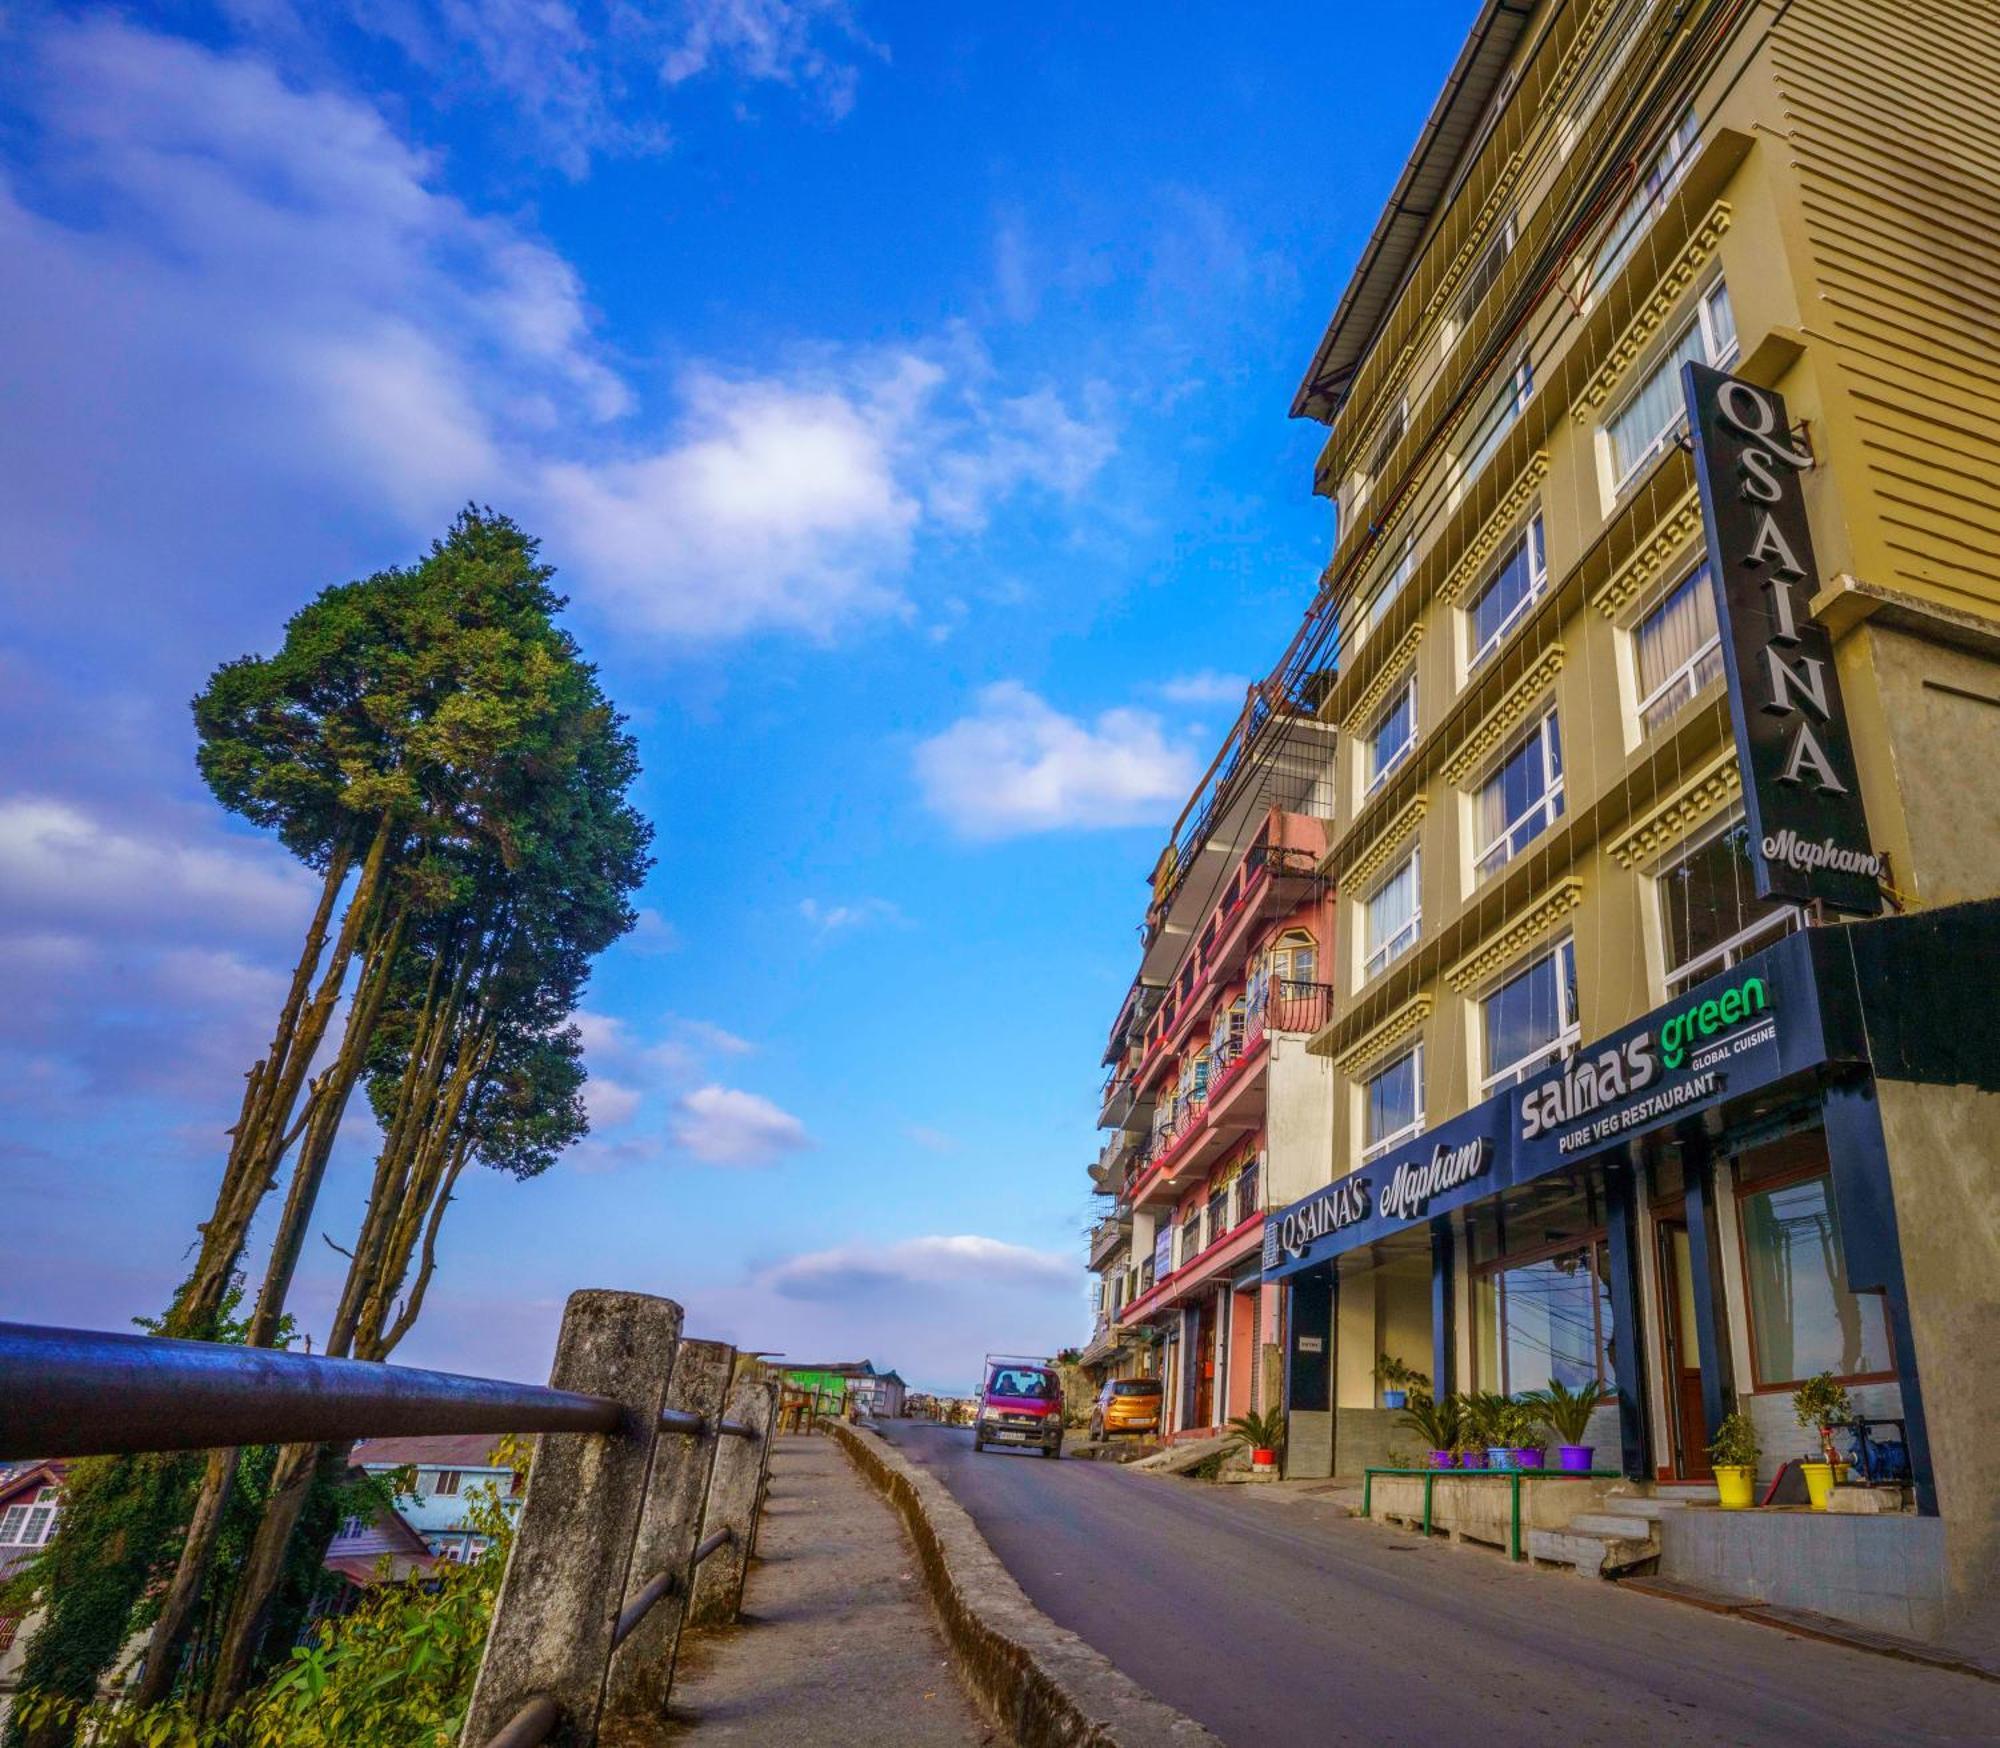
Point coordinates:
[[1276, 1621]]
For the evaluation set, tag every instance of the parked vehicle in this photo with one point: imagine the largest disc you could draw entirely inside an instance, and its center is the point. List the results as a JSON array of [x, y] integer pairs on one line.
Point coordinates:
[[1020, 1404], [1126, 1405]]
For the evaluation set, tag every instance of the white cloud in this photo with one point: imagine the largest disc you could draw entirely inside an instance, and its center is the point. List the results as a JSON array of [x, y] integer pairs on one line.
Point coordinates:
[[836, 919], [930, 1139], [770, 40], [1204, 687], [707, 1035], [609, 1103], [959, 1261], [1017, 765], [651, 934], [725, 1126]]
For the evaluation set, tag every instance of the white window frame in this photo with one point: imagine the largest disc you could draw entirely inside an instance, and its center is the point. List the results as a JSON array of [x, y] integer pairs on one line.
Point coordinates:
[[1757, 935], [1645, 203], [1474, 461], [1551, 806], [1569, 1030], [1385, 953], [1373, 1150], [1718, 354], [1684, 674], [1378, 775], [1534, 537], [1494, 251], [1386, 592]]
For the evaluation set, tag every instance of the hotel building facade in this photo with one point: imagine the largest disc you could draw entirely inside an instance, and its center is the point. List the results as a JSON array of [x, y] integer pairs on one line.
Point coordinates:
[[1598, 1111]]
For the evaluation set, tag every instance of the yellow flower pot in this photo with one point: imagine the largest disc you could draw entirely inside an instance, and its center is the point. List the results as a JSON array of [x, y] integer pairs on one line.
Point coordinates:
[[1736, 1486], [1820, 1478]]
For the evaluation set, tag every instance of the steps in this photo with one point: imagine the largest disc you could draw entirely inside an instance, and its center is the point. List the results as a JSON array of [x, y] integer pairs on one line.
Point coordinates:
[[1621, 1534]]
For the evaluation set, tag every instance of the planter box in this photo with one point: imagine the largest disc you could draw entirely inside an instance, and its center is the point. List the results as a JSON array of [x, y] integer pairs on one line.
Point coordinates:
[[1481, 1510]]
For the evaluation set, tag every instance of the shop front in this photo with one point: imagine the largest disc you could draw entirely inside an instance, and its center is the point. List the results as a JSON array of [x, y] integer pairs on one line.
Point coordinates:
[[1697, 1212]]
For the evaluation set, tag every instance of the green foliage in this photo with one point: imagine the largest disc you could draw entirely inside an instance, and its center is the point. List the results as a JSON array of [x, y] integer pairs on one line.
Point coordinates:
[[397, 1673], [1566, 1412], [1822, 1404], [1735, 1443], [1259, 1430], [1484, 1415], [1392, 1374], [1438, 1422]]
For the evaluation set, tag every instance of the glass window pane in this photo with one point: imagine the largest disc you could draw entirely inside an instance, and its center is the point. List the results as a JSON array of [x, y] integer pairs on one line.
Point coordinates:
[[1543, 1323], [1394, 1098], [1642, 427], [1524, 1015], [1509, 589], [1803, 1318]]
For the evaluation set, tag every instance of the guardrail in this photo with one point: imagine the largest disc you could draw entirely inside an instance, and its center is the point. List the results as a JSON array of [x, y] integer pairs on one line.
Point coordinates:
[[643, 1494]]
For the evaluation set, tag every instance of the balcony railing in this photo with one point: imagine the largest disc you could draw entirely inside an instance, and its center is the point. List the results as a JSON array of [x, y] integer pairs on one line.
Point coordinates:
[[1300, 1007]]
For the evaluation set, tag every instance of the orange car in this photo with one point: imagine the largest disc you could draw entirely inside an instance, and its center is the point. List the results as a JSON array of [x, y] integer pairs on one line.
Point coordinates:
[[1129, 1405]]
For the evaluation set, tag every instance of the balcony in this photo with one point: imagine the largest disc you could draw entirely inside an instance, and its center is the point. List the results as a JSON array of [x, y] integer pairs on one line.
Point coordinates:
[[1299, 1007], [1124, 1105], [1107, 1237]]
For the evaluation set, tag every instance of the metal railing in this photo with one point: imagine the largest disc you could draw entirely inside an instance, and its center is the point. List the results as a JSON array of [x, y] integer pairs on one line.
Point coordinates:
[[643, 1495], [1298, 1006]]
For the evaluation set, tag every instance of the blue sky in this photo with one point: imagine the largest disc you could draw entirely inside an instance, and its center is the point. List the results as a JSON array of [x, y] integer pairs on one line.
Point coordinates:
[[901, 392]]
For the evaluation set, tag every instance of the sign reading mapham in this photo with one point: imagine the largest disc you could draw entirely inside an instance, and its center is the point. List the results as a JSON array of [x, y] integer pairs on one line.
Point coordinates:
[[1808, 833]]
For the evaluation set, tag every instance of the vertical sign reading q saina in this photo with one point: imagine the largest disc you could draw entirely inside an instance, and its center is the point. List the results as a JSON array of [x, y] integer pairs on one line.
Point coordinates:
[[1808, 833]]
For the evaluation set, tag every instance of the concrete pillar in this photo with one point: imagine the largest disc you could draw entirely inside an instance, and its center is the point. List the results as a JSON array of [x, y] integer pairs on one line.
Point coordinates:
[[732, 1503], [642, 1669], [1718, 1385], [1444, 1326], [566, 1574], [1621, 1239]]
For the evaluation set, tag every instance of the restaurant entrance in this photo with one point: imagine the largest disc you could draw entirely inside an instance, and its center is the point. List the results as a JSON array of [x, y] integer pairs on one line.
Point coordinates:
[[1688, 1454]]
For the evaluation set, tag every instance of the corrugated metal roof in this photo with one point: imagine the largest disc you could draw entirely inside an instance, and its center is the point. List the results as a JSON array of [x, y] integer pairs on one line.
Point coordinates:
[[448, 1450], [1426, 180]]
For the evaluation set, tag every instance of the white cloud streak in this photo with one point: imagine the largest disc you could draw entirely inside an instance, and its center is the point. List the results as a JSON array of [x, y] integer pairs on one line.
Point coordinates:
[[722, 1125]]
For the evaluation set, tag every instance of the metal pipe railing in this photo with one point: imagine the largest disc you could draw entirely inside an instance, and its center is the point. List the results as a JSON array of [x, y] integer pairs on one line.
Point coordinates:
[[77, 1393], [710, 1543], [656, 1589], [735, 1429], [531, 1726]]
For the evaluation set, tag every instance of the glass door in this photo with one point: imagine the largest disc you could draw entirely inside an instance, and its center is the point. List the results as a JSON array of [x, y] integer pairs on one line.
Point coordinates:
[[1683, 1350]]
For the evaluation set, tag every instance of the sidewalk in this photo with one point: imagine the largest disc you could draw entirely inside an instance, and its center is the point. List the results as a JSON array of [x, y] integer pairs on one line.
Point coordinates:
[[837, 1643]]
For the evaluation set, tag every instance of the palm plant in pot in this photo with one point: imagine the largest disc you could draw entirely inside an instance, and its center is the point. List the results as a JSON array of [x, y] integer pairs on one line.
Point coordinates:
[[1398, 1381], [1437, 1423], [1821, 1404], [1566, 1413], [1487, 1415], [1262, 1433], [1522, 1429], [1734, 1456]]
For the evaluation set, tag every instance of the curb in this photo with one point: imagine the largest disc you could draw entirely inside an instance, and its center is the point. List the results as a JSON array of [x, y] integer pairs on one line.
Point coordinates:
[[1039, 1682]]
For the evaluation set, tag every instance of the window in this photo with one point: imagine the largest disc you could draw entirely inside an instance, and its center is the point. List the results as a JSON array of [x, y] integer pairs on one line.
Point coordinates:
[[31, 1524], [1393, 916], [1485, 270], [1387, 590], [1710, 914], [1545, 1321], [1393, 1105], [1505, 402], [1392, 434], [1521, 800], [1678, 648], [1647, 201], [1295, 959], [1804, 1318], [1394, 733], [350, 1528], [447, 1484], [1514, 587], [1530, 1020], [1246, 1191], [1646, 423]]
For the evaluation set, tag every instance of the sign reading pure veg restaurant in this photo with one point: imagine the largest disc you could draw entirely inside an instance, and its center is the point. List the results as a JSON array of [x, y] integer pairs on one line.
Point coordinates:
[[1808, 833]]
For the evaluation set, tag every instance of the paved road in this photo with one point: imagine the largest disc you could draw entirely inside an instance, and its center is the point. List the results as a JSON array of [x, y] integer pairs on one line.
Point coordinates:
[[1274, 1622]]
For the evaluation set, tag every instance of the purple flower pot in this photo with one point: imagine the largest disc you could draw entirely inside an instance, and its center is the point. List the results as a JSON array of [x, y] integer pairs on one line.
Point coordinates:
[[1528, 1457], [1441, 1459], [1575, 1458]]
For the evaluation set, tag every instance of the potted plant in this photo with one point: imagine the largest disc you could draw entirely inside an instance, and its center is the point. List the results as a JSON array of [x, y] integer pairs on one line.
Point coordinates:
[[1821, 1404], [1522, 1426], [1398, 1380], [1566, 1413], [1261, 1432], [1487, 1416], [1734, 1455], [1437, 1423]]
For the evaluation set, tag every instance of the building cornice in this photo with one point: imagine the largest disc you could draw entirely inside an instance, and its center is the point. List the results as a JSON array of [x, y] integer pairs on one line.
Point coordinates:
[[1680, 525], [1707, 792], [1505, 716], [1495, 528], [1386, 678], [1516, 935], [1379, 1040], [1653, 312], [1385, 843]]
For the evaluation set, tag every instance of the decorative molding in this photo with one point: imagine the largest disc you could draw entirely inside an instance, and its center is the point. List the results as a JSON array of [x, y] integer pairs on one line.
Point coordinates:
[[1502, 719], [1386, 677], [1709, 791], [1386, 843], [1379, 1040], [1516, 935], [1655, 553], [1573, 57], [1653, 313], [1475, 238], [1496, 528]]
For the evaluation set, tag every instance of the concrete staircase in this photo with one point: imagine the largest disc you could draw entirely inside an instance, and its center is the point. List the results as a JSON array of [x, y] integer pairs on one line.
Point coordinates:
[[1622, 1535]]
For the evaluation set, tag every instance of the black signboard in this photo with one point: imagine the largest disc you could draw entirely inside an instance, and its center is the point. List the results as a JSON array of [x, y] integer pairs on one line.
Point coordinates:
[[1808, 833]]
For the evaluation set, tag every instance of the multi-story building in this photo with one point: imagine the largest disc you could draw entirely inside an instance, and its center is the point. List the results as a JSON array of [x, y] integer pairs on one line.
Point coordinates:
[[1214, 1106], [1600, 1112]]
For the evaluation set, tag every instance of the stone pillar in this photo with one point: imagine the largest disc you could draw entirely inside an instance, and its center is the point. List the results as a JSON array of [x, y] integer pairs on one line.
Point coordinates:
[[1444, 1330], [566, 1574], [717, 1598], [642, 1669]]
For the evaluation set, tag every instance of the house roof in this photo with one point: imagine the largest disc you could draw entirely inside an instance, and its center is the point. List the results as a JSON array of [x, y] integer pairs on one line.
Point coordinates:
[[448, 1450], [1426, 182], [26, 1477], [837, 1369], [358, 1558]]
